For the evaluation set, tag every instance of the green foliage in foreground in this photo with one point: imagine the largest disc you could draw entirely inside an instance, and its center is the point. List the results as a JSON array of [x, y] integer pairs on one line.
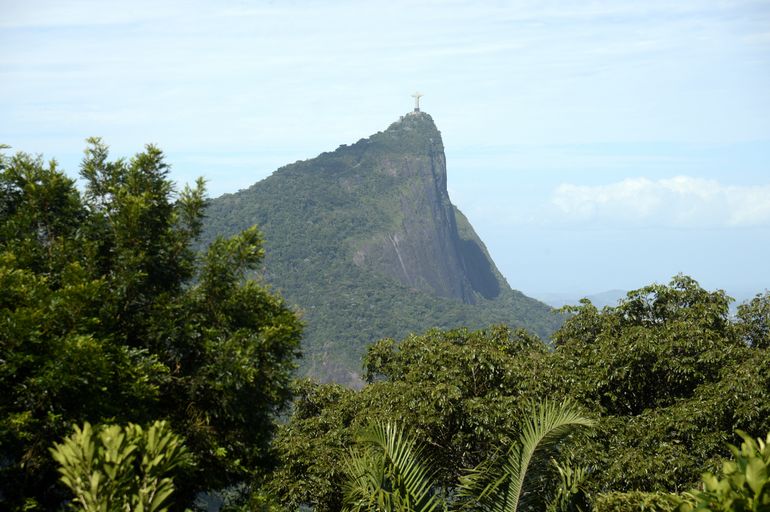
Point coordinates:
[[386, 471], [113, 468], [108, 316], [742, 486], [518, 478], [459, 392], [668, 375]]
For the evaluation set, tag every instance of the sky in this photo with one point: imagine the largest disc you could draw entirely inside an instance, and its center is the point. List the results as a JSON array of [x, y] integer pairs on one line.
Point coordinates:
[[594, 145]]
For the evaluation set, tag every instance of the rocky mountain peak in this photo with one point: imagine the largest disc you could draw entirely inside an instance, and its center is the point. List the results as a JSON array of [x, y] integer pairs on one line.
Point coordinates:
[[365, 241]]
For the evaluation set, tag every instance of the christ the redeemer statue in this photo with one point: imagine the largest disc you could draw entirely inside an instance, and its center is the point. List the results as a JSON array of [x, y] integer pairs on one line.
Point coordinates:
[[417, 97]]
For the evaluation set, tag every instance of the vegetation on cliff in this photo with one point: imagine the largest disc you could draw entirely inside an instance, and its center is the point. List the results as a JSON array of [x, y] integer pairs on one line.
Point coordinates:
[[366, 243]]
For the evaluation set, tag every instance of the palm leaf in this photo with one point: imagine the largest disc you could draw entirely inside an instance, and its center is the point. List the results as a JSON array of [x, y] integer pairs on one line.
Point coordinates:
[[386, 471], [498, 484]]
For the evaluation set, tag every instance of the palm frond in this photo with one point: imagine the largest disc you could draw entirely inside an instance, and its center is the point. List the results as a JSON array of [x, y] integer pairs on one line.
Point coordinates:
[[498, 485], [386, 471]]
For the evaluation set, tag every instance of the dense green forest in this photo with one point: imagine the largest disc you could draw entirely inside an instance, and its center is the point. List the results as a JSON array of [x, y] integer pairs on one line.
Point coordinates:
[[668, 375], [108, 316], [138, 373]]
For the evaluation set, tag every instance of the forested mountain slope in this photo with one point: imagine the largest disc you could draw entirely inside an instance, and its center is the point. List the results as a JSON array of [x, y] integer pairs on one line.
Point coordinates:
[[366, 243]]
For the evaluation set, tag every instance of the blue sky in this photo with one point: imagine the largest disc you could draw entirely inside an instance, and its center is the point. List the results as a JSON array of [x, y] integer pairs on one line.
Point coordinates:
[[593, 144]]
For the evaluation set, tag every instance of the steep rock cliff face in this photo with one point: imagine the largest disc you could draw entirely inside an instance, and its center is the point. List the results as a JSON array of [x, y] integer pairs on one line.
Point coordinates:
[[365, 242], [423, 249]]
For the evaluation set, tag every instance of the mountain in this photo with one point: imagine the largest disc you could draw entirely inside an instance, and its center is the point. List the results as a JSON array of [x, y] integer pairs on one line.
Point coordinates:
[[366, 243]]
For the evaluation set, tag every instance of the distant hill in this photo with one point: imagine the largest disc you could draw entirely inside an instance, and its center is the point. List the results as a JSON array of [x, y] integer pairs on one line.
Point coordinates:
[[608, 298], [366, 243], [612, 297]]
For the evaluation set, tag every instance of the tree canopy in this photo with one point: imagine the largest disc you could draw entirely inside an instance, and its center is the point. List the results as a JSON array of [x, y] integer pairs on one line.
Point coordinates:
[[672, 376], [668, 374], [108, 315]]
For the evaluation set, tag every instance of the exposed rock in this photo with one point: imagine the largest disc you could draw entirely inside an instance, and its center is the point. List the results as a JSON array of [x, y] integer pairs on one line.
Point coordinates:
[[424, 250]]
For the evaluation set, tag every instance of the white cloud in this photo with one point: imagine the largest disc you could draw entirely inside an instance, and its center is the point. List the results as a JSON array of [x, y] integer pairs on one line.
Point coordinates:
[[681, 201]]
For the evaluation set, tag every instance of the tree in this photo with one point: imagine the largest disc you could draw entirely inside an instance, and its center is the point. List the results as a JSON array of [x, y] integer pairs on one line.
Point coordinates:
[[742, 485], [109, 315], [670, 376], [113, 468], [312, 445], [754, 321], [656, 346], [461, 393], [667, 374]]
